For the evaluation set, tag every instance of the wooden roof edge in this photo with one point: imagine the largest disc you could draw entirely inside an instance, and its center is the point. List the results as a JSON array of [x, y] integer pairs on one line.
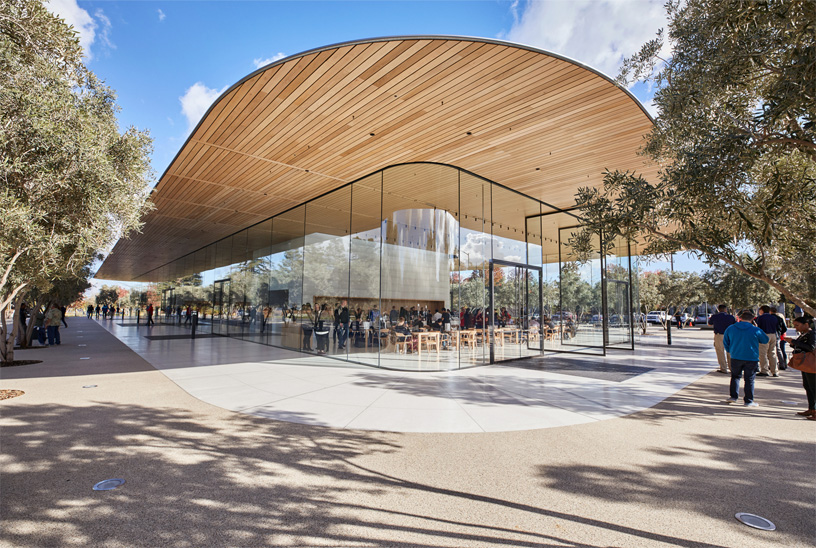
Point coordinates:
[[391, 39]]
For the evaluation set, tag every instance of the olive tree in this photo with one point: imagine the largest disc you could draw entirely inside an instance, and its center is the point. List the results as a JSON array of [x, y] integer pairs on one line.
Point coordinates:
[[71, 181], [735, 142]]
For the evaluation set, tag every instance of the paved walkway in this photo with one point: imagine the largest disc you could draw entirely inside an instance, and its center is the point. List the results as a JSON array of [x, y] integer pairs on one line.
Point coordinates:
[[198, 475], [283, 385]]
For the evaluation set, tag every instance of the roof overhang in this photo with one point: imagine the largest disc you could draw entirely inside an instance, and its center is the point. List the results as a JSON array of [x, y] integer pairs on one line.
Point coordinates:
[[533, 121]]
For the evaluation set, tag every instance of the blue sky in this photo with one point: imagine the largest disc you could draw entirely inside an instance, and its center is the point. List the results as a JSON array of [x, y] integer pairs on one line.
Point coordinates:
[[169, 60]]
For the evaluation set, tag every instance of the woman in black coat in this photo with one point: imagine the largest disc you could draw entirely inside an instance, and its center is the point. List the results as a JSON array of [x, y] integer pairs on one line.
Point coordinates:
[[805, 342]]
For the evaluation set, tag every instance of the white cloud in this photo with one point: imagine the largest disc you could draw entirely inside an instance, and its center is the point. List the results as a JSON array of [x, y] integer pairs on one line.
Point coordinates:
[[650, 107], [78, 18], [105, 30], [263, 62], [195, 102], [598, 33], [161, 15]]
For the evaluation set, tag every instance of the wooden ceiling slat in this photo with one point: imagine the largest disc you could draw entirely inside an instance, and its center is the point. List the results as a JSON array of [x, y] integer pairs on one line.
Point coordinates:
[[248, 159]]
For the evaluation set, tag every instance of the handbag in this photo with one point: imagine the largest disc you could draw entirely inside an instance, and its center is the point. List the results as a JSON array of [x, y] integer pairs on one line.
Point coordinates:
[[804, 361]]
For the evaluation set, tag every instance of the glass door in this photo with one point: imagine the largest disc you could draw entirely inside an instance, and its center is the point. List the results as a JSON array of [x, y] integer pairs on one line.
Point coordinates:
[[221, 307], [515, 301]]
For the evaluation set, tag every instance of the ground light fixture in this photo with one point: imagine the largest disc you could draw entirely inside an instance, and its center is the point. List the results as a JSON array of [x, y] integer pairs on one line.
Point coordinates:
[[90, 386], [757, 522], [108, 484]]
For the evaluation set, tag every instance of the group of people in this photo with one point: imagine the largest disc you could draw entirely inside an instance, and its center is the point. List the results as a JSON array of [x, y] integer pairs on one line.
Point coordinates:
[[46, 324], [107, 312], [748, 346]]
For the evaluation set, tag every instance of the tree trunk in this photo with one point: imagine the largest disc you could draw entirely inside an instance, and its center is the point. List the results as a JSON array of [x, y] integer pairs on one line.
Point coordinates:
[[7, 337], [30, 328]]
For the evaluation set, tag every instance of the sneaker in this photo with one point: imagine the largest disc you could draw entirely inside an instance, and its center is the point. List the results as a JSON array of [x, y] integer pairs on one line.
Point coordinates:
[[775, 375], [721, 371], [763, 375], [731, 400], [752, 404]]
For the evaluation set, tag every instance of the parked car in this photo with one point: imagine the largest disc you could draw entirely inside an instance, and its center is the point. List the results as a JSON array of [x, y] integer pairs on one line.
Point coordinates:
[[656, 316], [702, 321]]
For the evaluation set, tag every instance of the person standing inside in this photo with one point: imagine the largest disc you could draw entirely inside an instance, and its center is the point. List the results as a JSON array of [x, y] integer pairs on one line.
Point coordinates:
[[721, 321], [393, 316], [742, 341], [336, 324], [344, 326], [806, 342], [769, 323], [52, 324]]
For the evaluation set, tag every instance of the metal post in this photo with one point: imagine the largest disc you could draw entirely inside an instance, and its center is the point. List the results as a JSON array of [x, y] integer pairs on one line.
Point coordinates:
[[195, 323], [137, 315], [668, 329]]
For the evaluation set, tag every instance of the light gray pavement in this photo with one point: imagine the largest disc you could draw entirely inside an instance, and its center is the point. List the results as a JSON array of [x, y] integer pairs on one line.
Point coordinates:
[[284, 385], [200, 475]]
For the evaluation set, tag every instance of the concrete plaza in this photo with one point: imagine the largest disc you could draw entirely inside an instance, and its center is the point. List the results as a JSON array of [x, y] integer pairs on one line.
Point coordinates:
[[244, 445]]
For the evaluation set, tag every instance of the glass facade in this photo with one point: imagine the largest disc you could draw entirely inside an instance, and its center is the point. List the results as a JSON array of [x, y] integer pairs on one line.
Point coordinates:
[[415, 267]]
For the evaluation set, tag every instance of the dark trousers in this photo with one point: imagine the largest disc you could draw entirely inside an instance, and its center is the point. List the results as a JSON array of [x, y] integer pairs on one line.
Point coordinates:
[[747, 369], [307, 338], [781, 355], [150, 320], [342, 335], [53, 334], [809, 382]]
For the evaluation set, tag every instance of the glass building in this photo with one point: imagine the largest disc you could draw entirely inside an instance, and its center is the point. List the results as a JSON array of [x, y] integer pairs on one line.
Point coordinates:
[[450, 247]]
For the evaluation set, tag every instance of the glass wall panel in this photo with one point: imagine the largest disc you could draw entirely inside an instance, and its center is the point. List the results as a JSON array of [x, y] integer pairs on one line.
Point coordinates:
[[473, 269], [618, 294], [581, 317], [420, 207], [367, 327], [286, 279], [256, 293], [513, 282], [221, 287], [239, 280], [325, 268]]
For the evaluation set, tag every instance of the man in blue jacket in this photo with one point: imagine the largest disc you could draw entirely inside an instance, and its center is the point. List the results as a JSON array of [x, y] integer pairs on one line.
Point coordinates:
[[742, 341]]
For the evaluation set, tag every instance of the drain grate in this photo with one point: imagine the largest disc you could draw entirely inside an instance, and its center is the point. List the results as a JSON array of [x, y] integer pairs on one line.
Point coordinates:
[[757, 522]]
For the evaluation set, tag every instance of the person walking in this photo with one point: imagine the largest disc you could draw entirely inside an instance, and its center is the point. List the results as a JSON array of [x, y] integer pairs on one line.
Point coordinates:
[[769, 323], [806, 342], [188, 315], [90, 311], [63, 310], [742, 341], [150, 315], [721, 321], [52, 324], [98, 310]]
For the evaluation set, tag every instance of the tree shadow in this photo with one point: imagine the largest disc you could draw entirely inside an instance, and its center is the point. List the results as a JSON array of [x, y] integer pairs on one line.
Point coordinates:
[[227, 479]]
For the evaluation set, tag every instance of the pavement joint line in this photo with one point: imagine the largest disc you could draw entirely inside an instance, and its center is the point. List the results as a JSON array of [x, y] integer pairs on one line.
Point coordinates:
[[304, 394], [384, 392]]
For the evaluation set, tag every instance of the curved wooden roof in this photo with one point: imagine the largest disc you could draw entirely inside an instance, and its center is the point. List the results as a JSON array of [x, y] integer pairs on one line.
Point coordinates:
[[530, 120]]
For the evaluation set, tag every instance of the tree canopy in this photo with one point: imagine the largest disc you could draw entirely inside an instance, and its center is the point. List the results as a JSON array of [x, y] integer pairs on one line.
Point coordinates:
[[71, 181], [735, 141]]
